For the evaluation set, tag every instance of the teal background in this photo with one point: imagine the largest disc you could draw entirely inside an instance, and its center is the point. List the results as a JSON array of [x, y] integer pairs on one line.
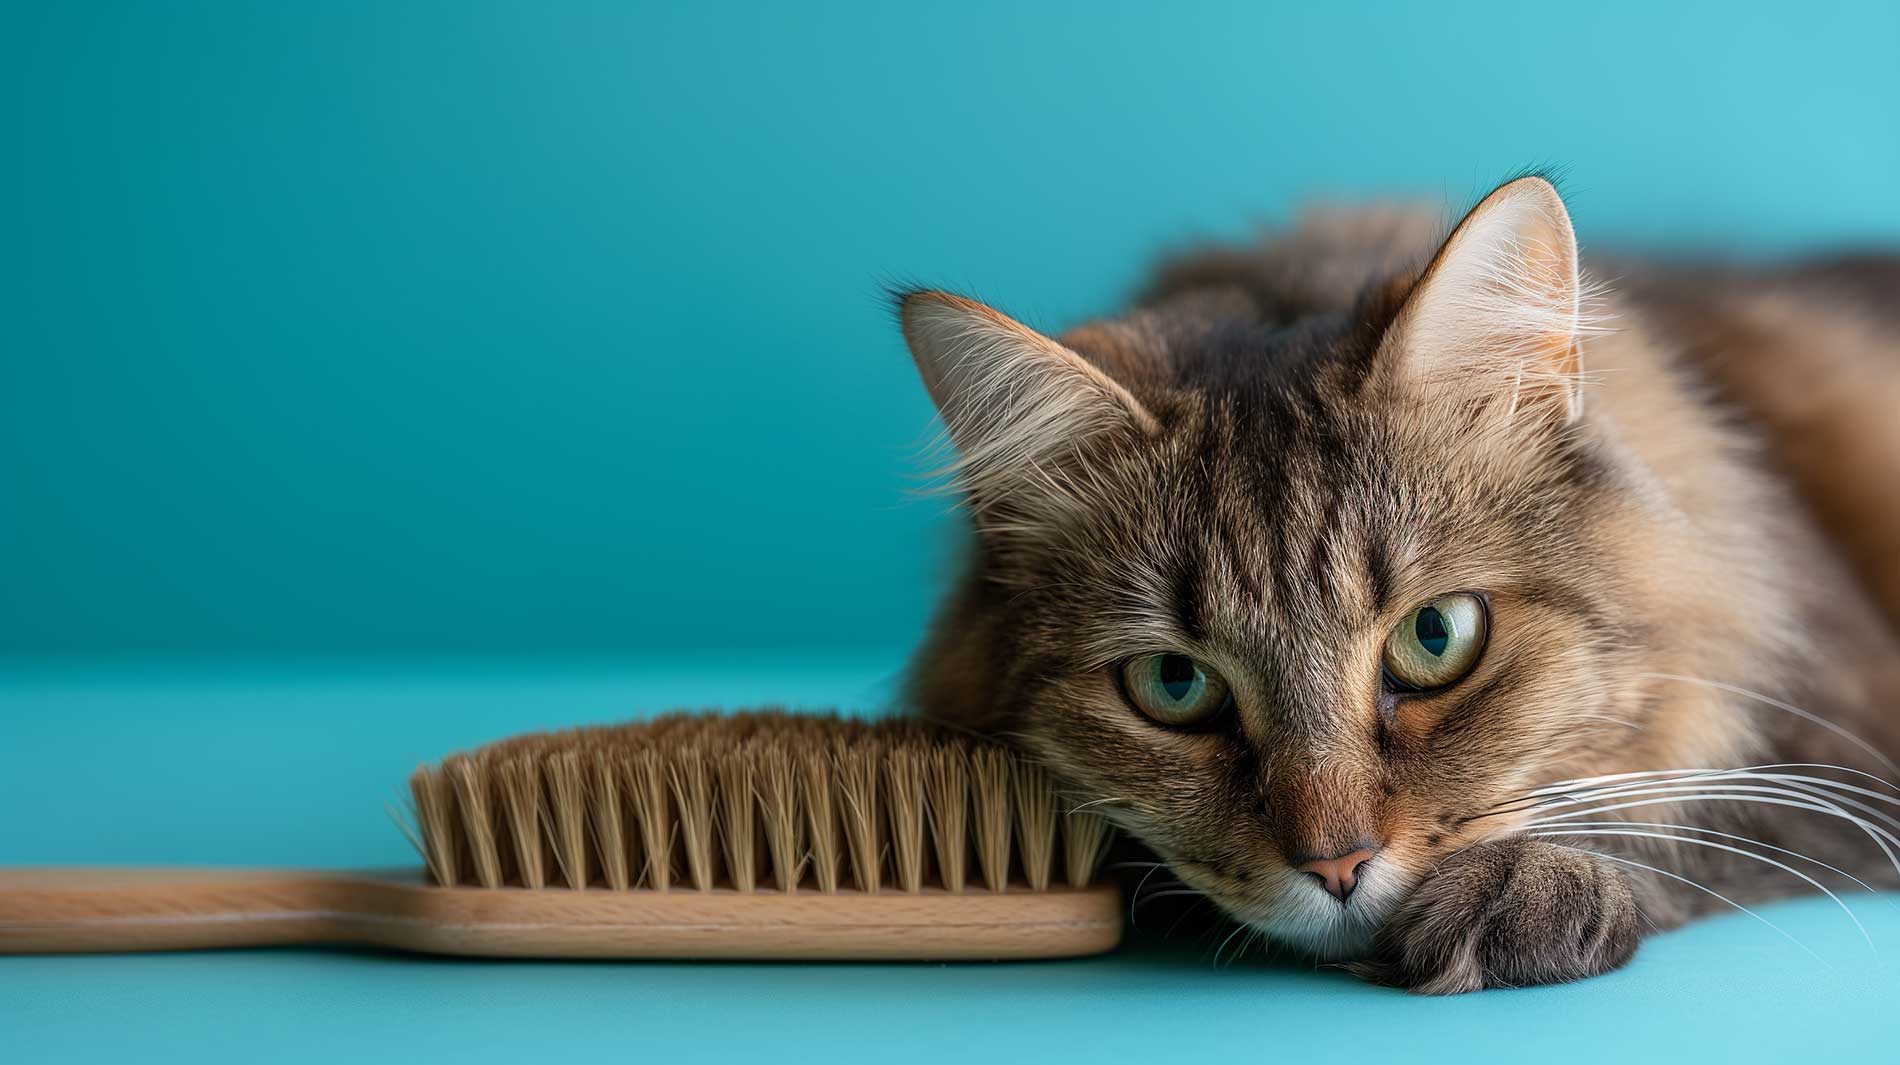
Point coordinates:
[[473, 329], [378, 379]]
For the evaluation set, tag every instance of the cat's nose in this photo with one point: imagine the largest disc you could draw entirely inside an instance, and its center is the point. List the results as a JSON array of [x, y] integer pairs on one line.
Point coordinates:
[[1341, 874]]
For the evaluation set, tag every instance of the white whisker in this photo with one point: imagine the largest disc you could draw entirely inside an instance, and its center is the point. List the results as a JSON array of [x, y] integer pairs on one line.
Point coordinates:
[[1630, 782], [1832, 787], [1717, 894], [1763, 796], [1238, 929], [1858, 882], [1136, 894], [1583, 783], [1153, 895], [1818, 787], [1827, 795], [1783, 866], [1754, 773], [1694, 791], [1625, 722], [1768, 700]]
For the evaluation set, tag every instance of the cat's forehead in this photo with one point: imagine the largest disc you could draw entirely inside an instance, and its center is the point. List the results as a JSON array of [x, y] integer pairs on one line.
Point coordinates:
[[1261, 540], [1293, 529], [1289, 505], [1242, 356]]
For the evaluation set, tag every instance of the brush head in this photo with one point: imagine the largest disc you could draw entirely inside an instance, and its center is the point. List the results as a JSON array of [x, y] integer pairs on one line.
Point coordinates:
[[756, 801]]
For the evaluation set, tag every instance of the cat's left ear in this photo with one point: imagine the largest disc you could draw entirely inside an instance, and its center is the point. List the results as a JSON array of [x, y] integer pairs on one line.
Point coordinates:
[[1015, 402], [1498, 312]]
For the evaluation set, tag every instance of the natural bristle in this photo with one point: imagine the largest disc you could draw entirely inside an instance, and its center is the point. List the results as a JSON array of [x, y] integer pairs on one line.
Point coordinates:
[[760, 801]]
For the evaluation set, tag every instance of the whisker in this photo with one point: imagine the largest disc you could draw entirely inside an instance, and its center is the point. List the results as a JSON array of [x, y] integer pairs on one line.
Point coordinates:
[[1096, 802], [1589, 784], [1135, 896], [1591, 787], [1153, 895], [1691, 793], [1625, 722], [1768, 700], [1832, 786], [1783, 866], [1717, 894], [1584, 789], [1764, 796], [1756, 771], [1553, 796], [1238, 929], [1858, 882], [1828, 795], [1824, 796], [1254, 938], [1818, 787]]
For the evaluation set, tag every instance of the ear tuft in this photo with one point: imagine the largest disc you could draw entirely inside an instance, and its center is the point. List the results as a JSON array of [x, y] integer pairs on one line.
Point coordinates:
[[1012, 400], [1501, 304]]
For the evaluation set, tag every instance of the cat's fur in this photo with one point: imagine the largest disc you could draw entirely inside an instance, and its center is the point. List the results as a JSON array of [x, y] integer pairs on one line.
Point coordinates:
[[1676, 495]]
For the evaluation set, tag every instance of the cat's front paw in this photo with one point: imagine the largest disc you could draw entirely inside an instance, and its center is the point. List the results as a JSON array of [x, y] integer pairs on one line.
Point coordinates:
[[1507, 913]]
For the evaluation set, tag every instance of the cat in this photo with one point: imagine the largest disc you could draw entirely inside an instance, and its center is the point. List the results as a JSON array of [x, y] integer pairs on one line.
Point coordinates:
[[1402, 594]]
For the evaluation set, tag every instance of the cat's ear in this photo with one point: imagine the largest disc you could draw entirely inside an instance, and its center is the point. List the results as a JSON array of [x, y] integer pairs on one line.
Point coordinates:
[[1013, 401], [1498, 313]]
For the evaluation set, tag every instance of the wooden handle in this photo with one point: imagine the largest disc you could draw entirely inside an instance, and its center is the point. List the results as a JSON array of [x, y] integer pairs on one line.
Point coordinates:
[[52, 911]]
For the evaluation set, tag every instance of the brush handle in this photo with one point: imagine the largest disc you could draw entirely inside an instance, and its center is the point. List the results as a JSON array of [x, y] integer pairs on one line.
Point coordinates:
[[60, 911]]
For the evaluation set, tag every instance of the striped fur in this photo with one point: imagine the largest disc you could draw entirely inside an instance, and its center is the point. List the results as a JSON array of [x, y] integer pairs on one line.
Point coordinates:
[[1281, 451]]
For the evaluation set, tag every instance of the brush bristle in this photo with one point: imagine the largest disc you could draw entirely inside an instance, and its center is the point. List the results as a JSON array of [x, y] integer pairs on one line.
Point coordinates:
[[758, 801]]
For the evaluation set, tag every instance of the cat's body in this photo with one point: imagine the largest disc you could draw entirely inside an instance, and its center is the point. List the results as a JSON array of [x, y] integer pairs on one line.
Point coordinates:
[[1669, 505]]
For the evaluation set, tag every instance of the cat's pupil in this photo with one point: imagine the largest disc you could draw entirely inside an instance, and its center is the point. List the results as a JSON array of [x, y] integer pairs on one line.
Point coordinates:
[[1176, 673], [1431, 631]]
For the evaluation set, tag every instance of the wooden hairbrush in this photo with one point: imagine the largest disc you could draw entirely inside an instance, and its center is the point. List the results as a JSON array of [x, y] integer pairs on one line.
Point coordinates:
[[755, 835]]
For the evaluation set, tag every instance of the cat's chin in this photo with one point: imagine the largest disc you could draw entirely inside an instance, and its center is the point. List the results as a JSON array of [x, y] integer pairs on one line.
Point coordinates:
[[1333, 933], [1344, 943], [1306, 919]]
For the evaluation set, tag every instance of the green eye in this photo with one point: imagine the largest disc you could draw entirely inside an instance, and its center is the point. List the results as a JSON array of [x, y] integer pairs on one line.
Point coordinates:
[[1437, 644], [1174, 689]]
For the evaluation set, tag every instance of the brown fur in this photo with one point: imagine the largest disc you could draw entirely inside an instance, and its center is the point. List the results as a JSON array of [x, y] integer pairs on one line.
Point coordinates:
[[1279, 470]]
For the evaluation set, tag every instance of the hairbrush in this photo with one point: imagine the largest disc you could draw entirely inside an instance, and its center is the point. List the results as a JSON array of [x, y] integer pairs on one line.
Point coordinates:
[[752, 835]]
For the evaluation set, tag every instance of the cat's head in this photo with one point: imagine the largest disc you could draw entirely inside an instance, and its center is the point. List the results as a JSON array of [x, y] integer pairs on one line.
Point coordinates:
[[1297, 602]]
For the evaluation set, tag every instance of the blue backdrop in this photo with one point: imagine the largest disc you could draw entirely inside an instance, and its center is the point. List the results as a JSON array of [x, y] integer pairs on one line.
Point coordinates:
[[466, 337], [440, 329]]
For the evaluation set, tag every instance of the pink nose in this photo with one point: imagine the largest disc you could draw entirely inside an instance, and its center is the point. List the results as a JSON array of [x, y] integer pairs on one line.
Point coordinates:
[[1339, 874]]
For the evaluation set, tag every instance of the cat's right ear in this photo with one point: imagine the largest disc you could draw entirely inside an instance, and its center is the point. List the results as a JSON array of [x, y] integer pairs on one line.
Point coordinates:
[[1013, 401], [1498, 314]]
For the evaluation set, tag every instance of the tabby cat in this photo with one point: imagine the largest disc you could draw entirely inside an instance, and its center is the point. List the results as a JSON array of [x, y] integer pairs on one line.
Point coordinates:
[[1430, 608]]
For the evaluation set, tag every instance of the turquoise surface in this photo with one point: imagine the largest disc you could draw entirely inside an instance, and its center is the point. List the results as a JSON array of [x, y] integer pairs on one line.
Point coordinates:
[[295, 766]]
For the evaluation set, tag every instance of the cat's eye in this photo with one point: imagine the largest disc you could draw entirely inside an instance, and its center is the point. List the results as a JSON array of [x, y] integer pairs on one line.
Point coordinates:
[[1174, 689], [1437, 644]]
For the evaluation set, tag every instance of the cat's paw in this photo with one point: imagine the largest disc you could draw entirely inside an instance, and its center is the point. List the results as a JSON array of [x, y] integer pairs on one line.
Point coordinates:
[[1507, 913]]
